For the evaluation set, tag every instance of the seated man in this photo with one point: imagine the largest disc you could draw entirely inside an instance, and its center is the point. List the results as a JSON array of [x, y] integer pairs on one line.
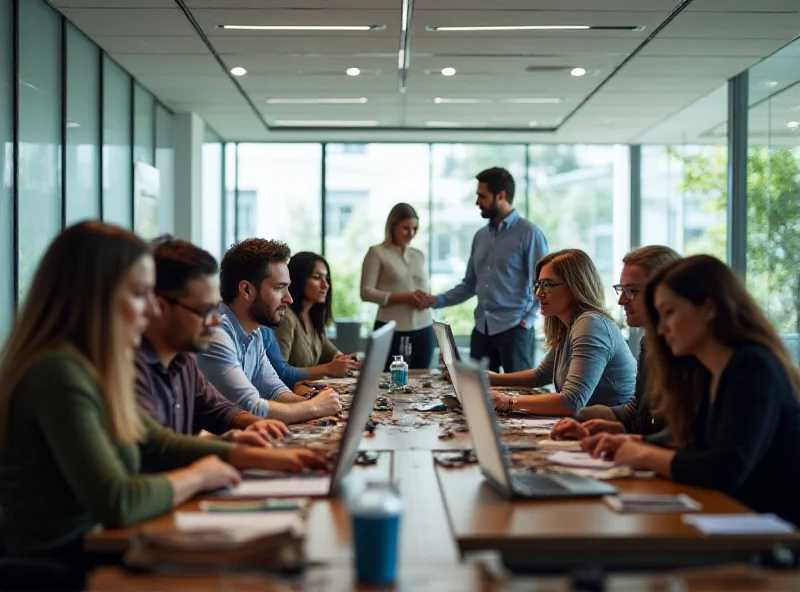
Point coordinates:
[[169, 385], [635, 417], [254, 281]]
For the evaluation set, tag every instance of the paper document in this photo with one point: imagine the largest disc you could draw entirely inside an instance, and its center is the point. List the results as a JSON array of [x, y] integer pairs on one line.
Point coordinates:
[[337, 381], [245, 525], [568, 445], [286, 486], [652, 503], [741, 524], [579, 459], [529, 423]]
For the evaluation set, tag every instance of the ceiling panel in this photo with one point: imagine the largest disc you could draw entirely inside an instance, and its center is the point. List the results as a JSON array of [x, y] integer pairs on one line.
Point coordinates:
[[122, 44], [733, 26], [139, 22], [743, 6], [680, 66], [177, 64], [305, 44], [292, 4], [560, 5], [210, 19], [704, 48], [424, 18], [140, 4]]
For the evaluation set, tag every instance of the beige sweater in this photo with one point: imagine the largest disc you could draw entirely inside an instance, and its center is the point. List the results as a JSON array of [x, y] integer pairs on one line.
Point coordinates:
[[300, 348]]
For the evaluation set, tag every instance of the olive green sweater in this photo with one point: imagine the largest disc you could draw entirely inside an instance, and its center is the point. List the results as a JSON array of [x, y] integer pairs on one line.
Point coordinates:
[[60, 471]]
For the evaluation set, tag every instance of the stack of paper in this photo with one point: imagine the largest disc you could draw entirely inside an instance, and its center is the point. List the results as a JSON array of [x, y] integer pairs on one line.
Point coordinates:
[[315, 486], [244, 526], [568, 445], [580, 460], [741, 524], [653, 503]]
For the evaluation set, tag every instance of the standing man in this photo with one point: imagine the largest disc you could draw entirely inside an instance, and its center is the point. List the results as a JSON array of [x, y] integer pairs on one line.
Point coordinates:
[[501, 272], [169, 385], [254, 281]]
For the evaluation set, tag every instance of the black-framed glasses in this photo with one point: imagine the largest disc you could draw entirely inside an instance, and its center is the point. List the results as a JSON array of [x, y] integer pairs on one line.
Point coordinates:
[[208, 315], [630, 293], [545, 285]]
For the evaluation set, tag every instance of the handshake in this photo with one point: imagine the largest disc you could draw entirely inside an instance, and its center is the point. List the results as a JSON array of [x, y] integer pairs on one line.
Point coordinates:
[[419, 299]]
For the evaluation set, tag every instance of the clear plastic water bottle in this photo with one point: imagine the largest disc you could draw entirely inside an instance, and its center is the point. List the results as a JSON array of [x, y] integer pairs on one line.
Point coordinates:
[[399, 370], [376, 528]]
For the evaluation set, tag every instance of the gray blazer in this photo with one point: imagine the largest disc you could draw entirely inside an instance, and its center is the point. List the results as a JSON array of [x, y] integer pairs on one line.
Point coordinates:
[[592, 365]]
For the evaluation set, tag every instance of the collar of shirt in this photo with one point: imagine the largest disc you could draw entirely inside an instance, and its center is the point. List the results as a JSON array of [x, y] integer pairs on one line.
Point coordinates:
[[229, 317], [405, 255], [507, 222], [149, 355]]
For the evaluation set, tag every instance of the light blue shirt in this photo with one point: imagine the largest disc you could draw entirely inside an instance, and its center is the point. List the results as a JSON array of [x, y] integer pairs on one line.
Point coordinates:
[[237, 365], [501, 271], [287, 373]]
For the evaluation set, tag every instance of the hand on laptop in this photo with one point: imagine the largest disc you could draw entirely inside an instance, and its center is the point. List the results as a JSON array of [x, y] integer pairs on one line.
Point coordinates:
[[342, 365], [244, 438], [287, 460], [326, 403], [270, 429], [568, 429]]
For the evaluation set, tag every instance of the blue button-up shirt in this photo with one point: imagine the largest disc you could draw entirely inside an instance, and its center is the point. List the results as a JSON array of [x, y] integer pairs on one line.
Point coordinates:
[[287, 373], [501, 271], [237, 365]]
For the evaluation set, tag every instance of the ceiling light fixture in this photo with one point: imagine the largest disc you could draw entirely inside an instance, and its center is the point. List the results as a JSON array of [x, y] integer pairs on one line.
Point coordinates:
[[303, 27], [444, 124], [457, 101], [319, 101], [533, 101], [769, 83], [531, 28], [325, 123], [238, 71], [448, 71], [352, 71], [793, 124], [73, 124], [577, 71]]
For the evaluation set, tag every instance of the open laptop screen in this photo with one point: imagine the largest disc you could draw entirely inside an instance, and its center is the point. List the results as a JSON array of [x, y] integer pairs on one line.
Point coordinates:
[[364, 397], [446, 341], [477, 407]]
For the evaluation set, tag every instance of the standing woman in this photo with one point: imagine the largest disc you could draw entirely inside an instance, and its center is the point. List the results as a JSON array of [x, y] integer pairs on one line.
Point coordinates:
[[394, 277], [301, 333], [726, 386], [587, 360], [73, 442]]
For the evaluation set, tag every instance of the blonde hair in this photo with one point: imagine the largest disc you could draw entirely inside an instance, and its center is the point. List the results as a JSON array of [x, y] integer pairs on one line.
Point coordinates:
[[399, 213], [651, 257], [576, 270], [73, 303]]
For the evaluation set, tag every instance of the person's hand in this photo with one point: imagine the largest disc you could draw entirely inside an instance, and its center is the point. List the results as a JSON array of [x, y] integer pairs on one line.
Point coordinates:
[[270, 429], [604, 445], [423, 300], [632, 453], [353, 363], [293, 460], [500, 401], [215, 473], [341, 366], [601, 426], [244, 438], [568, 429], [326, 403]]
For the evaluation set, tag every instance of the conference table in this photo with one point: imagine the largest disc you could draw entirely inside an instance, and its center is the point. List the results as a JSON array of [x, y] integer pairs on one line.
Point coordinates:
[[453, 521]]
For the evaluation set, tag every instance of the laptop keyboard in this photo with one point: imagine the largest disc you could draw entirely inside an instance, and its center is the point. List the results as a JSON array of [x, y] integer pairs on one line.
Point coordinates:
[[527, 484]]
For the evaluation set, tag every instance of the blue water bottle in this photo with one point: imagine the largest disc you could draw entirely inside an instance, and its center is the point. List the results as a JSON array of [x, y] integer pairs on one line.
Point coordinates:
[[399, 370], [376, 531]]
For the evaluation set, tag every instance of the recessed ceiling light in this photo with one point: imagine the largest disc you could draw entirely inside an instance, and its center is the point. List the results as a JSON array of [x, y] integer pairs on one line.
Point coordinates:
[[793, 124], [444, 124], [458, 101], [320, 101], [533, 123], [448, 71], [352, 71], [73, 124], [303, 27], [533, 101], [770, 83], [238, 71], [577, 71], [533, 28], [325, 123]]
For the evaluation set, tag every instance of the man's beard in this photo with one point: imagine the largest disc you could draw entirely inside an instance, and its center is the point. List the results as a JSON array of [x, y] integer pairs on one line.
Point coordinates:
[[261, 313], [492, 211]]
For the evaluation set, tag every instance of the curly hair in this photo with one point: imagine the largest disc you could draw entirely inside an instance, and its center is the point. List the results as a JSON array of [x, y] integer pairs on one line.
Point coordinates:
[[249, 261]]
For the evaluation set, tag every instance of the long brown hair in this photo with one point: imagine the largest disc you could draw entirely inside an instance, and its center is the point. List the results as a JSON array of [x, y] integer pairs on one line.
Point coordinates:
[[678, 384], [399, 213], [576, 270], [73, 302]]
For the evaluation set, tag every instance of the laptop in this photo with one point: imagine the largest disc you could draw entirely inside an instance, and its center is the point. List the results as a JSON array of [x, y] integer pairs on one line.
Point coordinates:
[[267, 484], [476, 403], [450, 354]]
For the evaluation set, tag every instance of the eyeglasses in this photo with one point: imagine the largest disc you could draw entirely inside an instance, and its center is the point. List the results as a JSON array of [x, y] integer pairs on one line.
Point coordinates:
[[545, 285], [630, 293], [208, 315]]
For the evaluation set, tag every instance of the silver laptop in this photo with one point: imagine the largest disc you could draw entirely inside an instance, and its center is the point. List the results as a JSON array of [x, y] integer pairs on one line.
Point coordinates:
[[493, 456], [450, 354], [364, 397]]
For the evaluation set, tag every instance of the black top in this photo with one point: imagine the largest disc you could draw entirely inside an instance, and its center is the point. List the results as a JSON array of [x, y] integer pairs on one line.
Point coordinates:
[[747, 444], [636, 415], [179, 397]]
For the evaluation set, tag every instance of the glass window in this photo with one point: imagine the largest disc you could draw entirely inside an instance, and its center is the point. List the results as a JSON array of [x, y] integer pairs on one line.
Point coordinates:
[[117, 153], [279, 194], [229, 208], [39, 214], [165, 163], [455, 218], [143, 146], [83, 128], [773, 192], [212, 198], [363, 182], [6, 168]]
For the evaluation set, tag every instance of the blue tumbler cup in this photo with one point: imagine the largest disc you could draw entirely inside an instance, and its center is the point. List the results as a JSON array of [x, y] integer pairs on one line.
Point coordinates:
[[376, 528]]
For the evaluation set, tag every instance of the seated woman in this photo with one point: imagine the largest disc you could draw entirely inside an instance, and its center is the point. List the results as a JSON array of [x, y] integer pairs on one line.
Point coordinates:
[[73, 443], [301, 334], [725, 384], [587, 360], [395, 277]]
